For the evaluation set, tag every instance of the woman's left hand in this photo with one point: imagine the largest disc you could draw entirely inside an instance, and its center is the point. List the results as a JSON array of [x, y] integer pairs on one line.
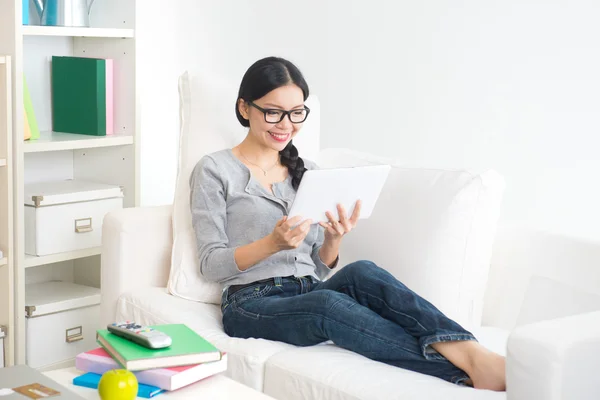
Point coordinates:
[[335, 230]]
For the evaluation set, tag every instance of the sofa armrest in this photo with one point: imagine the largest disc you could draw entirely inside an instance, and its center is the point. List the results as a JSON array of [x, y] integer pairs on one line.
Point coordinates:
[[136, 253], [556, 359]]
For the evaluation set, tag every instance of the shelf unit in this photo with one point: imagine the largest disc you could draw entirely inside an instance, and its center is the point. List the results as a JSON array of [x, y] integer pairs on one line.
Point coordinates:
[[7, 304], [110, 159]]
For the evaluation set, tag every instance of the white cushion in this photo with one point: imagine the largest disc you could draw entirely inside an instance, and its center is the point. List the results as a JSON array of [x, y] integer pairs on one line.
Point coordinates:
[[209, 124], [432, 229], [330, 372], [245, 357]]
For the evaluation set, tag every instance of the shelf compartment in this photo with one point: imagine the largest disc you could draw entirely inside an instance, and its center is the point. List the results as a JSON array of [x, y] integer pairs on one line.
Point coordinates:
[[35, 30], [57, 141], [34, 261]]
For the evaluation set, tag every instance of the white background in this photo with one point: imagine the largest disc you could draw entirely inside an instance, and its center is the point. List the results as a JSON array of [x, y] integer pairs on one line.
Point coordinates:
[[512, 85]]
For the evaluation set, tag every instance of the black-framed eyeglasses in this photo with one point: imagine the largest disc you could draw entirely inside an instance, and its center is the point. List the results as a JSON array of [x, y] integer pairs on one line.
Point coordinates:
[[275, 116]]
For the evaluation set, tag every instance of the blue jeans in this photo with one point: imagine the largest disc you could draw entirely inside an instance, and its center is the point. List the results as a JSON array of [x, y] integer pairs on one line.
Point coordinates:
[[362, 308]]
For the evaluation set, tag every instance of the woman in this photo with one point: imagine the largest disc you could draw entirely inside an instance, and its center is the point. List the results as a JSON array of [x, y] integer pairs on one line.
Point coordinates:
[[272, 270]]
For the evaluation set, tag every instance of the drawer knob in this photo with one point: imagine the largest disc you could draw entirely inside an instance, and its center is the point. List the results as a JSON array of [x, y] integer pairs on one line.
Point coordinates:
[[83, 225], [74, 334]]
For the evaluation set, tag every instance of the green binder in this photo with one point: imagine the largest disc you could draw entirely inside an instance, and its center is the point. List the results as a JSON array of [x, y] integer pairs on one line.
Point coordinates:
[[79, 95]]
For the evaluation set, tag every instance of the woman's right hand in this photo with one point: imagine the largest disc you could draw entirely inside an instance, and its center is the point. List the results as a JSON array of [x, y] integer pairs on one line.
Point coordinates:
[[284, 237]]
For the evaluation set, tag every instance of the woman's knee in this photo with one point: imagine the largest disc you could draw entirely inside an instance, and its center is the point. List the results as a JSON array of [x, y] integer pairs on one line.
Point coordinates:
[[361, 269], [365, 271]]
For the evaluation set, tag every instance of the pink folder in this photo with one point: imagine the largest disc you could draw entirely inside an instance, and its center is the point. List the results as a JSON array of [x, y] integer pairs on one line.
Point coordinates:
[[110, 122]]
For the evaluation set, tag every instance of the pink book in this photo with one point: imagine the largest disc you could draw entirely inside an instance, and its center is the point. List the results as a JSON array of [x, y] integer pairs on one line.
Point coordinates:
[[99, 361], [110, 121]]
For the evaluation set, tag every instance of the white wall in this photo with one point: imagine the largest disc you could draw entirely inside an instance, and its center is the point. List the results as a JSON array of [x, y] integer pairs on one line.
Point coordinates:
[[512, 85]]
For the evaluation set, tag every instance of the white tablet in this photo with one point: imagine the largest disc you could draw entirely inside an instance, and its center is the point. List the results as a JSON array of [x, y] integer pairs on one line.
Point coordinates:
[[322, 190]]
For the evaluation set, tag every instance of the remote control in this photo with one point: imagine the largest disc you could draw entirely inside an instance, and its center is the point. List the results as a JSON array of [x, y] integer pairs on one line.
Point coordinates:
[[142, 335]]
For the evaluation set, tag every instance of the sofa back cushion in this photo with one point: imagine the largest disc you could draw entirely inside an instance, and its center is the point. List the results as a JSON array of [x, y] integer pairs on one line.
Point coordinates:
[[208, 124], [433, 229]]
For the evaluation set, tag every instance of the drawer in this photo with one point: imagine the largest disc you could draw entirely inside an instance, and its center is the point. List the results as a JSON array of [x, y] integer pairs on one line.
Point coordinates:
[[61, 336], [66, 227]]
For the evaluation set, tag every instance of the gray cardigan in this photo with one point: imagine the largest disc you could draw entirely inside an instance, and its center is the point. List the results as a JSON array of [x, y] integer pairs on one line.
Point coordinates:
[[232, 209]]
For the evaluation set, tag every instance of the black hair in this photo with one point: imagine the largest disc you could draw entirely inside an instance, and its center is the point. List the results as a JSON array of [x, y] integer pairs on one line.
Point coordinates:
[[262, 77]]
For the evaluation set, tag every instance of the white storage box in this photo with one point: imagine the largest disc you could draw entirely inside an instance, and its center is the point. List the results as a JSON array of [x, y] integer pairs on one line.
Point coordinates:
[[62, 319], [67, 215]]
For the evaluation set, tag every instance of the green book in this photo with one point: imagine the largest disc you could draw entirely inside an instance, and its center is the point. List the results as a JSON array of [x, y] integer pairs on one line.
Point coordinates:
[[79, 95], [187, 348]]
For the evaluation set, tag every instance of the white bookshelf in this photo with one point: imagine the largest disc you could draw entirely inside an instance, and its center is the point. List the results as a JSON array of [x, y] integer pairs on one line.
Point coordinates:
[[7, 266], [112, 159]]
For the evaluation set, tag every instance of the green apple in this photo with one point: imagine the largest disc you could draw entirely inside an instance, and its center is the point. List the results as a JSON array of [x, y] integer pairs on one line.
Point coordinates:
[[118, 384]]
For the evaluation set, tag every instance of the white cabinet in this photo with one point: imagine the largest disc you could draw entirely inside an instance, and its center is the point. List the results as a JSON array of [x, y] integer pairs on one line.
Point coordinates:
[[58, 156]]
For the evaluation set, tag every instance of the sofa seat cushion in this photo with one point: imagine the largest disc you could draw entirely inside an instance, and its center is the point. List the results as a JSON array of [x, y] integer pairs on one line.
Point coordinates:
[[246, 357], [328, 372]]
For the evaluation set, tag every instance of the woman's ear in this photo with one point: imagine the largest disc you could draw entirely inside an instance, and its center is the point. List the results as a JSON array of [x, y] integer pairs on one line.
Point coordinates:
[[243, 108]]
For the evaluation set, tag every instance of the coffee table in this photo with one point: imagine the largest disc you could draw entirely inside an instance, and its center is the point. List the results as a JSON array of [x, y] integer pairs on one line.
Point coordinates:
[[217, 387]]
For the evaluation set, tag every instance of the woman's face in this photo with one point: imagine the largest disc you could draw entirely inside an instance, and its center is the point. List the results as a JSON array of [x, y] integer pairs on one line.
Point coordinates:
[[274, 135]]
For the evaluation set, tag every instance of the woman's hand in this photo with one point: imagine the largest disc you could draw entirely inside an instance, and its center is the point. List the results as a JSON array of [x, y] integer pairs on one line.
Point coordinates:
[[285, 238], [335, 230]]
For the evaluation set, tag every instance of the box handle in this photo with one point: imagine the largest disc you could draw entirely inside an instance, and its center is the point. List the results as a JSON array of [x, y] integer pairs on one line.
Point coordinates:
[[74, 334], [83, 225]]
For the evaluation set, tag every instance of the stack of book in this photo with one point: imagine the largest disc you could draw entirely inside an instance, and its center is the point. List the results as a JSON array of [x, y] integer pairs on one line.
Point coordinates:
[[189, 359]]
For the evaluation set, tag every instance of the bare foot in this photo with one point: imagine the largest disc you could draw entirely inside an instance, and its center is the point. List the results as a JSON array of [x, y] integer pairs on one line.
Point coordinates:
[[488, 371]]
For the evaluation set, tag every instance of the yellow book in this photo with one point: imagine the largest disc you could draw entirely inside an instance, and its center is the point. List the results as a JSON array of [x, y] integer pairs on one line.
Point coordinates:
[[26, 127], [33, 126]]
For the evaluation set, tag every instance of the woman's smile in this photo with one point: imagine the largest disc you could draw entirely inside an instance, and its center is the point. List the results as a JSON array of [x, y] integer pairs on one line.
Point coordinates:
[[280, 137]]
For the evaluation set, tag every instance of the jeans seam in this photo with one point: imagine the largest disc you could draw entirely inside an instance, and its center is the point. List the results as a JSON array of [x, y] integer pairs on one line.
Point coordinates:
[[388, 306], [350, 327]]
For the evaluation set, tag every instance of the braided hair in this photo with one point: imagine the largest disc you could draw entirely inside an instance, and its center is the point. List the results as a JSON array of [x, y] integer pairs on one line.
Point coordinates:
[[262, 77]]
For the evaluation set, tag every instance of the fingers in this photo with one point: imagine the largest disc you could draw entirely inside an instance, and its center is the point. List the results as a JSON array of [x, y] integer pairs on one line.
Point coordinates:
[[346, 224], [303, 228], [291, 222], [328, 228], [337, 227], [281, 221], [298, 234], [356, 213]]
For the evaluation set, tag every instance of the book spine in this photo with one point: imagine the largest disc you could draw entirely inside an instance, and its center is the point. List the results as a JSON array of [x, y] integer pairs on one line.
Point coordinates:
[[101, 99], [30, 113], [110, 120], [99, 365]]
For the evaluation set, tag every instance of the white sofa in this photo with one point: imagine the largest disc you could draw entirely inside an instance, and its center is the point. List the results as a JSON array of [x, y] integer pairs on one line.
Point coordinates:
[[557, 358], [536, 304]]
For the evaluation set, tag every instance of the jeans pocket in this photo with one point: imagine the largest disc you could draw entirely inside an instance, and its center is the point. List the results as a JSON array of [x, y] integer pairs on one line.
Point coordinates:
[[252, 292], [247, 295]]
